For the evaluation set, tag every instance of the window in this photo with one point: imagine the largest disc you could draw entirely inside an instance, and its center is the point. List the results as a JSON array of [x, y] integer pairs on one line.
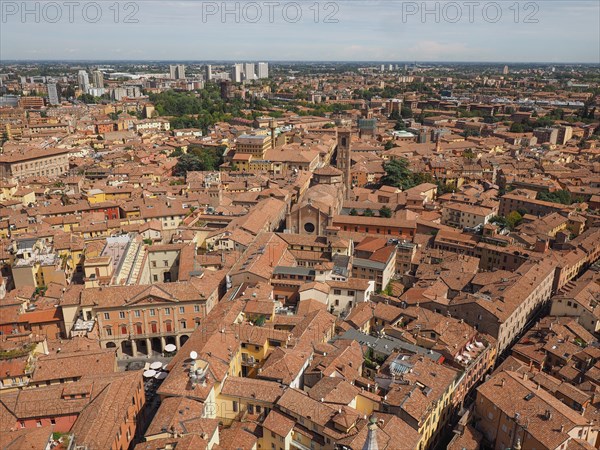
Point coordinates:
[[152, 312], [22, 424], [196, 308], [153, 263], [38, 423], [183, 324], [337, 292], [106, 316], [109, 331], [136, 313], [235, 406], [167, 311], [121, 315], [53, 421], [166, 263], [155, 277], [123, 329], [182, 309]]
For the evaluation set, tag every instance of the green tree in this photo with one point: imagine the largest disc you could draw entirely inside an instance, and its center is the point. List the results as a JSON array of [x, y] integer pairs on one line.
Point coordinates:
[[353, 212], [469, 154], [368, 212], [386, 212], [397, 174], [561, 196], [389, 144], [517, 128], [406, 112], [188, 163], [89, 99], [513, 219], [400, 125]]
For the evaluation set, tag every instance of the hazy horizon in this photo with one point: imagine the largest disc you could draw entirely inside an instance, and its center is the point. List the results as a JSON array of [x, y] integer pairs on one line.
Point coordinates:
[[343, 31]]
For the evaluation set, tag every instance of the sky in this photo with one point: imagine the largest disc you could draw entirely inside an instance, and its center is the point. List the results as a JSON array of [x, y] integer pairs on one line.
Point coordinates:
[[553, 31]]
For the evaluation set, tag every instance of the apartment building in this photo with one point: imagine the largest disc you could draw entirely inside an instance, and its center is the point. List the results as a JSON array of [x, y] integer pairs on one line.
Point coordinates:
[[253, 144], [526, 203], [580, 299], [512, 411], [34, 162], [462, 215], [421, 396], [379, 265], [506, 301]]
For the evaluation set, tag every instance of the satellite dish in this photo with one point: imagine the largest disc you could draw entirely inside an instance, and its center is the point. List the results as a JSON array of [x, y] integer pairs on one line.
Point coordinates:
[[193, 354]]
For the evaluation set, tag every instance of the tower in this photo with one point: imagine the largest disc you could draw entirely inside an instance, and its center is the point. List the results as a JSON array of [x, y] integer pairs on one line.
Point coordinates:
[[236, 73], [438, 143], [273, 126], [344, 150], [371, 442], [98, 79], [83, 80], [53, 94], [263, 70]]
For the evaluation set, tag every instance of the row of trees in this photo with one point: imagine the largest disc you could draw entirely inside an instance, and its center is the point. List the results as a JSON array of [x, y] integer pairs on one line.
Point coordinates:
[[561, 196], [384, 211]]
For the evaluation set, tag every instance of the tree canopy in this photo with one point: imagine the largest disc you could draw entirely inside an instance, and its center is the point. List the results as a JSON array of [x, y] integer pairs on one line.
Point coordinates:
[[562, 196], [199, 159], [398, 174]]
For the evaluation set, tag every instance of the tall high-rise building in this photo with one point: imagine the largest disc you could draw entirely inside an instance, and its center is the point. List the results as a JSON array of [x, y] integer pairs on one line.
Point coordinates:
[[225, 89], [263, 70], [177, 72], [237, 71], [83, 80], [505, 70], [53, 94], [208, 72], [98, 79], [249, 71]]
